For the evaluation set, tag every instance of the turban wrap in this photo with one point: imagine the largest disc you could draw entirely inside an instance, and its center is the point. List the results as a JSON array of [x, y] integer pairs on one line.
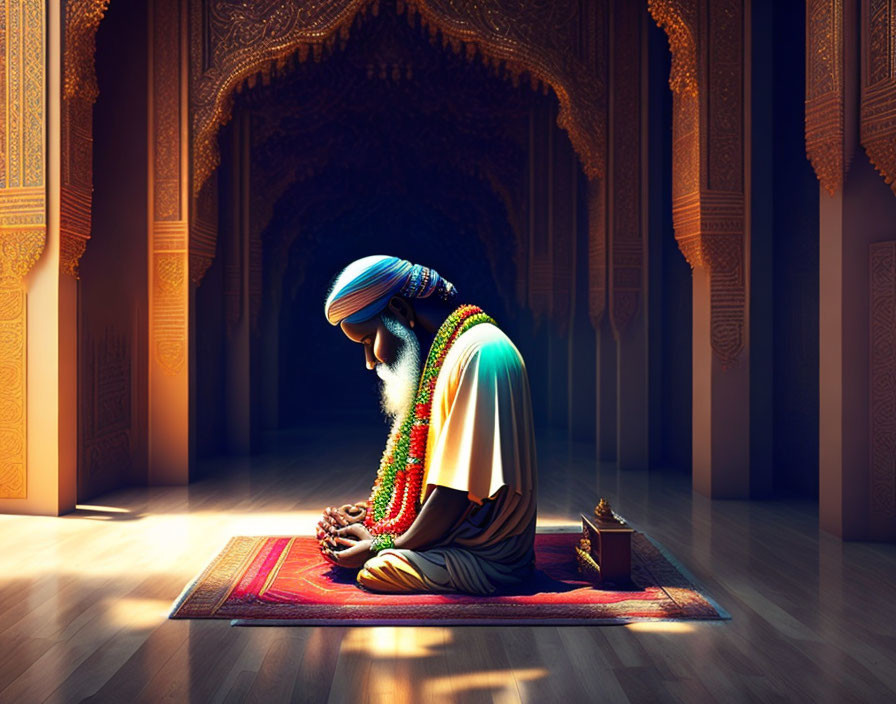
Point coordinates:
[[365, 286]]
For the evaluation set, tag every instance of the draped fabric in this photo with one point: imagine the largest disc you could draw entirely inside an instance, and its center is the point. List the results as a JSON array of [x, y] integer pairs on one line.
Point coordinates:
[[481, 441], [365, 286]]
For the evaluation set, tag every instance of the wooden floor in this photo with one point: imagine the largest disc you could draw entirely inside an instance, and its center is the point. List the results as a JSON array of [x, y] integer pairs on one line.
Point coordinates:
[[83, 599]]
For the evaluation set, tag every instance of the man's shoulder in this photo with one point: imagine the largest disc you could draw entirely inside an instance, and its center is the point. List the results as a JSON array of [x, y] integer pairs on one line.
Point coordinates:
[[486, 342]]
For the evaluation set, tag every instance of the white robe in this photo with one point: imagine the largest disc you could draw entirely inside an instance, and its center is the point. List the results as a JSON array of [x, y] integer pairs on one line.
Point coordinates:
[[480, 441]]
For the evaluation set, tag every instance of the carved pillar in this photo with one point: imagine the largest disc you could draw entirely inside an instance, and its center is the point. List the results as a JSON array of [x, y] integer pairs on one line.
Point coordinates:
[[562, 206], [708, 176], [540, 258], [239, 343], [878, 135], [830, 90], [80, 91], [169, 261], [582, 350], [38, 377], [605, 345], [23, 223], [857, 226], [627, 233], [878, 109]]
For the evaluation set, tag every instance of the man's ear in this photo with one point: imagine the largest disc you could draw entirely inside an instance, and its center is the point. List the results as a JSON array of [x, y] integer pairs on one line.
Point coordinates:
[[402, 309]]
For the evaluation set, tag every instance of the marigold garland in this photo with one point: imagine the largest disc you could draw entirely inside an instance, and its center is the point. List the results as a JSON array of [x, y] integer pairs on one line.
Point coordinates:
[[395, 497]]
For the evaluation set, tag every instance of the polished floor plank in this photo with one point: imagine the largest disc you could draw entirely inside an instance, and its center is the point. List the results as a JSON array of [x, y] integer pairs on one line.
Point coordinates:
[[83, 598]]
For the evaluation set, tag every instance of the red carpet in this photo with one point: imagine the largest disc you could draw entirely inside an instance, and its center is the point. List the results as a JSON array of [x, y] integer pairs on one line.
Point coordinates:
[[280, 579]]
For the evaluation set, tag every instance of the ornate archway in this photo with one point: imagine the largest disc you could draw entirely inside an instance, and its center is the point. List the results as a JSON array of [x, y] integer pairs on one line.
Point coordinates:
[[539, 40]]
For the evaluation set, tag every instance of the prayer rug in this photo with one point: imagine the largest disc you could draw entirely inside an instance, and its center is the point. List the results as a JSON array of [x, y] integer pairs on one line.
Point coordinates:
[[285, 581]]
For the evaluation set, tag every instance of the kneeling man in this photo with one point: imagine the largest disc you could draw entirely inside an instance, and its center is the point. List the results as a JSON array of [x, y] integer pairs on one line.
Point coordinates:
[[453, 505]]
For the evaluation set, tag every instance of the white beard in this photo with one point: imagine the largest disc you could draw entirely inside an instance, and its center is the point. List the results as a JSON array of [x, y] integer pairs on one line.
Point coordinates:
[[399, 379]]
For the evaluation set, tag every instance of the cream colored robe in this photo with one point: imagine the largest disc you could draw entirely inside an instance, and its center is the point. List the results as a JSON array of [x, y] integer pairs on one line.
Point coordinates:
[[480, 441]]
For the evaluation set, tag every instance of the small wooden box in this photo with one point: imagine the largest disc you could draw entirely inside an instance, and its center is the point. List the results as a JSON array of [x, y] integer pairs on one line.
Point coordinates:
[[605, 551]]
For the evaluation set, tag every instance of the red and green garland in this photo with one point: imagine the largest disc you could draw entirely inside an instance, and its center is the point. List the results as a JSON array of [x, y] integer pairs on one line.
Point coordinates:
[[395, 497]]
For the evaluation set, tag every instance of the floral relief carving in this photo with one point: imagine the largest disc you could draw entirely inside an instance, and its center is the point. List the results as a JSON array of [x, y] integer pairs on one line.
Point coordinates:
[[707, 44], [827, 147], [878, 108], [22, 219]]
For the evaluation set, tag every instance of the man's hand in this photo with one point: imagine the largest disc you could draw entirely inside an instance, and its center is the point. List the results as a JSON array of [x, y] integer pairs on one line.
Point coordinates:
[[356, 531], [335, 518], [351, 557]]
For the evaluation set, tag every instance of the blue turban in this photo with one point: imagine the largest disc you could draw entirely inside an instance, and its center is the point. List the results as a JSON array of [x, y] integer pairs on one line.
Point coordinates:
[[365, 286]]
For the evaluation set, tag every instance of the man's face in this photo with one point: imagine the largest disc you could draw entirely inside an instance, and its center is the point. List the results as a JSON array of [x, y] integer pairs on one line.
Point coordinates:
[[393, 349], [381, 346]]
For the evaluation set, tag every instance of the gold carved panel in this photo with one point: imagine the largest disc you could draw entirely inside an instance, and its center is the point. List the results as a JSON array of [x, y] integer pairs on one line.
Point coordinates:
[[170, 233], [22, 218], [827, 145], [708, 208], [80, 91], [626, 238]]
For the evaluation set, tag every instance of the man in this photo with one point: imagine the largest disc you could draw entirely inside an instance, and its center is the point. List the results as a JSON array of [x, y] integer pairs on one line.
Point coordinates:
[[453, 507]]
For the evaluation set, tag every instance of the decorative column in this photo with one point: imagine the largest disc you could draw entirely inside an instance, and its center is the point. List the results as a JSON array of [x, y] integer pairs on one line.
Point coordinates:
[[627, 234], [605, 362], [878, 136], [561, 209], [708, 176], [236, 293], [169, 235], [596, 42], [38, 417], [80, 91], [856, 266], [540, 258], [878, 108]]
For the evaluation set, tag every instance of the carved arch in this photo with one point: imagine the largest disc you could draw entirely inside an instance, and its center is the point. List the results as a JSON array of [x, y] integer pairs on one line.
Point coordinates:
[[543, 41]]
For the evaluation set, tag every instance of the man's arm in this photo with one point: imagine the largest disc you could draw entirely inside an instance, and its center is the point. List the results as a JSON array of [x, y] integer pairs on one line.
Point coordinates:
[[441, 512]]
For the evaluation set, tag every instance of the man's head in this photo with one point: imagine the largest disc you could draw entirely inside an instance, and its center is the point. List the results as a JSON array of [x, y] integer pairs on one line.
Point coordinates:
[[378, 302]]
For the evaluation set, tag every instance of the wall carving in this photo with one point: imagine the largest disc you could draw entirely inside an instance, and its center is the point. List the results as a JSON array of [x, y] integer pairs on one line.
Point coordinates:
[[625, 244], [22, 219], [245, 40], [169, 280], [827, 145], [169, 320], [105, 412], [203, 229], [878, 108], [80, 91], [882, 386], [706, 39]]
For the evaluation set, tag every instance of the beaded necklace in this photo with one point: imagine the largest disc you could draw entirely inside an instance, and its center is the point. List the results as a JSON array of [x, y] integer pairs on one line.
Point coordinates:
[[395, 497]]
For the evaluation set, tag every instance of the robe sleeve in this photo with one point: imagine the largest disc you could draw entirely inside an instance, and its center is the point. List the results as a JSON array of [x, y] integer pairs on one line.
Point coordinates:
[[478, 447]]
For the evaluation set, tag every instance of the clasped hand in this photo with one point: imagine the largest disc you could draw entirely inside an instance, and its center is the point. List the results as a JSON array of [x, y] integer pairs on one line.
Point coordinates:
[[344, 540]]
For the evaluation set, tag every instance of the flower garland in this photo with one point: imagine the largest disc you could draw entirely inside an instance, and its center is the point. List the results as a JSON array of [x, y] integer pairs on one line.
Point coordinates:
[[395, 497]]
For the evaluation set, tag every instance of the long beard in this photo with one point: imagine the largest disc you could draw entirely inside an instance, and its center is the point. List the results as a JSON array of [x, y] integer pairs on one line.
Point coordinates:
[[399, 380]]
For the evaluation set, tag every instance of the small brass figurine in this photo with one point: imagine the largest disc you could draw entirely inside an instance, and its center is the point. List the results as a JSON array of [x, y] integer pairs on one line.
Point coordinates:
[[604, 513]]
